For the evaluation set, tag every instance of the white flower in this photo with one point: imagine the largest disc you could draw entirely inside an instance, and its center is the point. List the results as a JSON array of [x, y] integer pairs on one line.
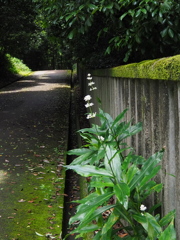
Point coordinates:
[[89, 77], [91, 115], [91, 83], [87, 98], [93, 88], [89, 105], [100, 138], [142, 207]]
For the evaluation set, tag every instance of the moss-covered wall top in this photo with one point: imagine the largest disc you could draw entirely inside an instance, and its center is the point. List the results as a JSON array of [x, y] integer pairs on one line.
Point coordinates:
[[164, 69]]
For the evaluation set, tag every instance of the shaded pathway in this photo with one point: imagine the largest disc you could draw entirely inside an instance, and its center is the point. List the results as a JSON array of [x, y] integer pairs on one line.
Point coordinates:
[[34, 115]]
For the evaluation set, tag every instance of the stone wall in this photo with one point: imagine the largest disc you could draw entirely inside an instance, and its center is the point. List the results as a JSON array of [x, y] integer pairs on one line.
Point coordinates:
[[153, 101]]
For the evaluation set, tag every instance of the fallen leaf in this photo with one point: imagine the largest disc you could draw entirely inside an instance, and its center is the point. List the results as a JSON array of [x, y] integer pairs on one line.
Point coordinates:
[[64, 194], [46, 161], [21, 200], [121, 235], [39, 234]]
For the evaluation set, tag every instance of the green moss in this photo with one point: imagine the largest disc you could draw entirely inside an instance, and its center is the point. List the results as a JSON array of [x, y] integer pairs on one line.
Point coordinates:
[[163, 69], [40, 206]]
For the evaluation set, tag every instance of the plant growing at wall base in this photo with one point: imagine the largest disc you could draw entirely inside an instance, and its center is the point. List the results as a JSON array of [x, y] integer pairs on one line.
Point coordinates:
[[120, 183]]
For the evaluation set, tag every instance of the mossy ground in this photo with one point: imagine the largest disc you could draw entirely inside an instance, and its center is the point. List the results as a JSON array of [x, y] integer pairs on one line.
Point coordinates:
[[36, 202]]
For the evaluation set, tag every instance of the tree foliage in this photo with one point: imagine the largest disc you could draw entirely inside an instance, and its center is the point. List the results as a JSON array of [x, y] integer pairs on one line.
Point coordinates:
[[99, 33], [17, 26], [22, 36], [126, 30]]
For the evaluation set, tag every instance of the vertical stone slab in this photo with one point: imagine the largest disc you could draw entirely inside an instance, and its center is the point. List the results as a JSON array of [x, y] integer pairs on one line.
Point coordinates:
[[132, 107], [178, 162], [171, 166]]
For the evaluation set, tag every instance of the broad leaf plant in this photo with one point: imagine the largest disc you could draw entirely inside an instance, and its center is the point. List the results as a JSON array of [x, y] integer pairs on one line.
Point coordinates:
[[120, 183]]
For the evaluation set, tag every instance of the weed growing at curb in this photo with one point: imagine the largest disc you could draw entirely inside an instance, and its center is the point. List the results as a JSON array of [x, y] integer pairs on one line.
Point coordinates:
[[119, 183]]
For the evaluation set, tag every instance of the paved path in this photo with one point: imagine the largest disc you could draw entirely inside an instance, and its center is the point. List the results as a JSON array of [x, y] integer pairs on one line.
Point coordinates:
[[34, 116]]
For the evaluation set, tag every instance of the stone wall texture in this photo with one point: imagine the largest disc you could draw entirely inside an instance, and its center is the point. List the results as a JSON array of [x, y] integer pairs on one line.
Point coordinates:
[[155, 103]]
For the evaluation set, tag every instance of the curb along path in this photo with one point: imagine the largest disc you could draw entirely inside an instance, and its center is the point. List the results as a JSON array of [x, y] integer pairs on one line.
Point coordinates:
[[34, 122]]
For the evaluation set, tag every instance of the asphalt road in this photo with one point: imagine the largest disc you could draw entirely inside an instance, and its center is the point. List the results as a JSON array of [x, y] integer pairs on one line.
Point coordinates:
[[34, 122]]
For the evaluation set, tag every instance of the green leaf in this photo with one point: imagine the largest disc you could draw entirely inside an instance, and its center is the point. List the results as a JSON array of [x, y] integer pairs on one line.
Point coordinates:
[[137, 38], [95, 10], [100, 154], [130, 158], [82, 158], [69, 16], [122, 192], [135, 129], [154, 13], [87, 208], [153, 173], [124, 214], [101, 182], [148, 185], [167, 219], [105, 117], [123, 16], [170, 33], [88, 22], [81, 7], [79, 151], [108, 50], [71, 34], [121, 130], [153, 208], [150, 224], [131, 172], [87, 198], [112, 162], [89, 228], [164, 32], [158, 187], [92, 6], [146, 169], [143, 10], [110, 5], [110, 222], [119, 117], [169, 232], [127, 130], [138, 13], [87, 170], [99, 100], [93, 216]]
